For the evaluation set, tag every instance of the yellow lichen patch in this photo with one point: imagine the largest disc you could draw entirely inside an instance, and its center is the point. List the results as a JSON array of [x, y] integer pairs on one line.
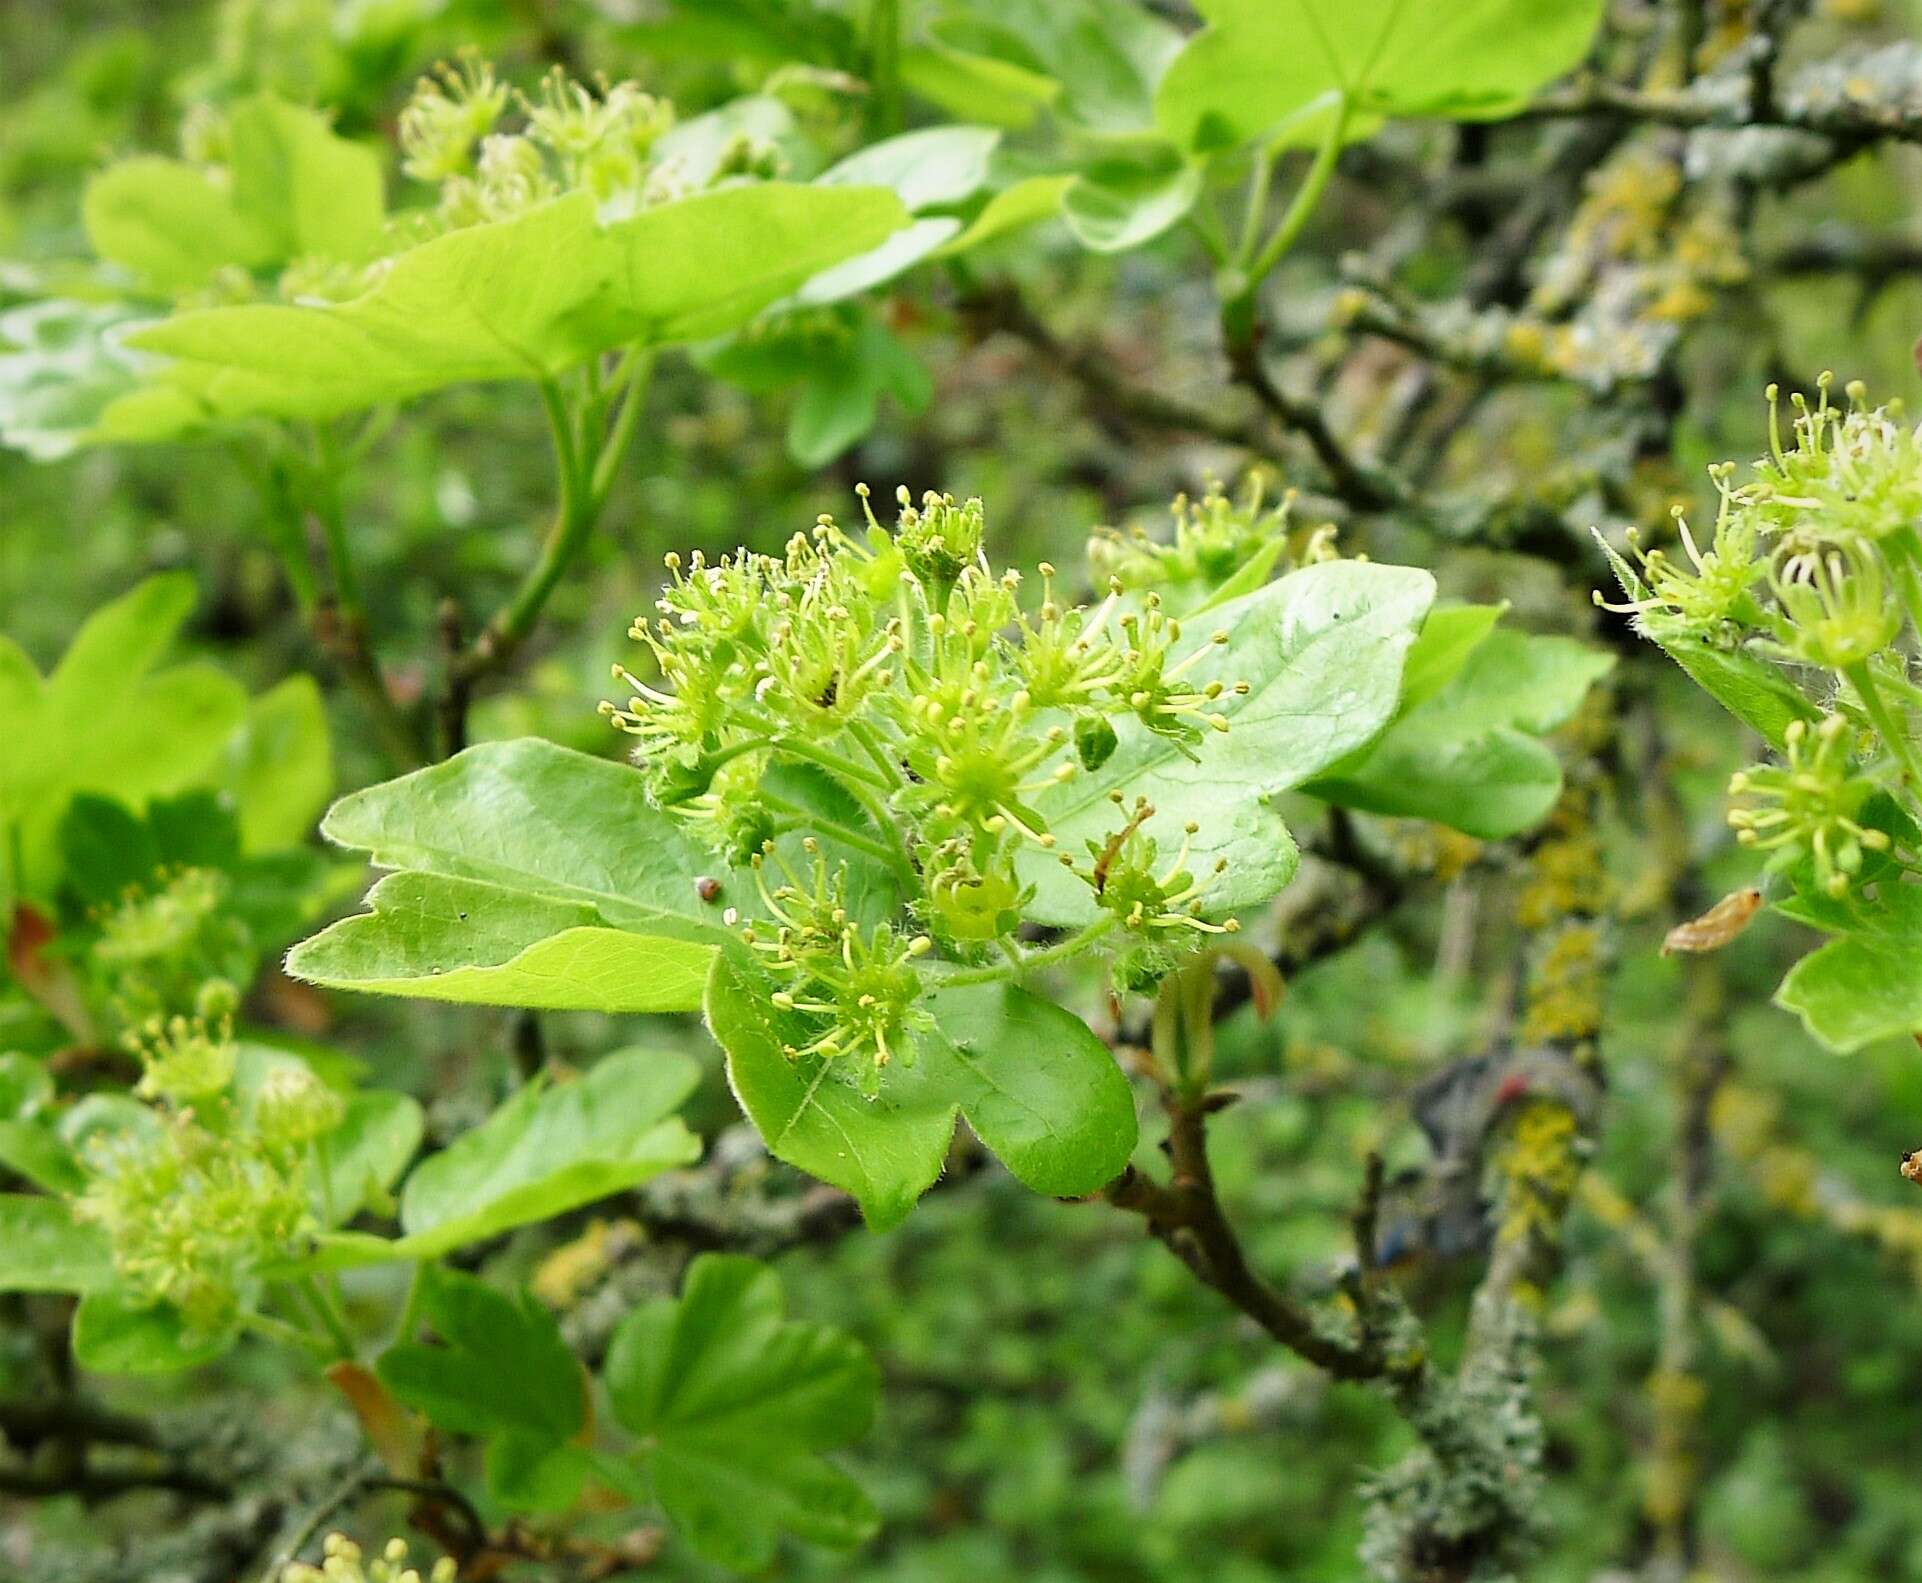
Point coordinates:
[[1539, 1164], [1565, 990]]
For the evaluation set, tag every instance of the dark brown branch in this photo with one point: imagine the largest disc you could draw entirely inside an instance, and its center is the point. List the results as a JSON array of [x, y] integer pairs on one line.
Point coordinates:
[[1115, 400], [1361, 484], [1187, 1216], [103, 1484]]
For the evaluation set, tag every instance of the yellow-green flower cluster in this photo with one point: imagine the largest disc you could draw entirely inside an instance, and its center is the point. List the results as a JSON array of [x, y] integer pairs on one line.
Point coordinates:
[[197, 1192], [941, 709], [1215, 537], [190, 1213], [1815, 564], [856, 985], [1810, 806], [494, 152], [157, 944]]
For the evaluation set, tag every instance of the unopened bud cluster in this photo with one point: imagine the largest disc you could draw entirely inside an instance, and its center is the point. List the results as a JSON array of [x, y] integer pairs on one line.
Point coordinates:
[[1815, 565], [941, 705], [344, 1562], [156, 944]]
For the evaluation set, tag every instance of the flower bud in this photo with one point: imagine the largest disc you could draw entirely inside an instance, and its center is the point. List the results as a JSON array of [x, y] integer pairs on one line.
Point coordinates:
[[294, 1107]]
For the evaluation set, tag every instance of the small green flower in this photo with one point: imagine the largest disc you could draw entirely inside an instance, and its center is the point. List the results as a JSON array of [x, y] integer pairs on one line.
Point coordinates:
[[1711, 593], [858, 986], [1130, 880], [1854, 473], [1214, 538], [1837, 607], [159, 944], [939, 540], [293, 1107], [452, 109], [185, 1060], [1810, 807]]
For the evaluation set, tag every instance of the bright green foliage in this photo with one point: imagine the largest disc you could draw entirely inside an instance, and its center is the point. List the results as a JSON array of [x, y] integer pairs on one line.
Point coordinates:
[[500, 1372], [1867, 983], [840, 361], [591, 227], [734, 1404], [112, 717], [280, 768], [1320, 653], [462, 940], [1273, 69], [267, 183], [552, 1148], [117, 1334], [892, 760], [1466, 750], [1094, 61], [524, 297], [1128, 199], [1035, 1084], [43, 1248]]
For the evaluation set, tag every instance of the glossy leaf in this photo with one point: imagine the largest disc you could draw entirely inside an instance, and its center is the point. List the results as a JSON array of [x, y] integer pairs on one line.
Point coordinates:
[[546, 824], [280, 766], [1266, 68], [733, 1405], [114, 1334], [974, 87], [929, 169], [1037, 1086], [462, 940], [169, 224], [1124, 202], [1106, 55], [310, 192], [1028, 202], [840, 398], [360, 1160], [1866, 984]]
